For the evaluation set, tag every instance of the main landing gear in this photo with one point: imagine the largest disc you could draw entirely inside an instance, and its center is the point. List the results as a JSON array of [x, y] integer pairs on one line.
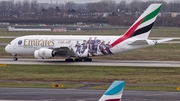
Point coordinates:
[[15, 57], [69, 60], [86, 59]]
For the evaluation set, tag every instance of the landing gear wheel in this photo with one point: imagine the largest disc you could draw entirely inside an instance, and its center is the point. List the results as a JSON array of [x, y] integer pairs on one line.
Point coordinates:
[[78, 59], [87, 59], [15, 58], [90, 59], [69, 60]]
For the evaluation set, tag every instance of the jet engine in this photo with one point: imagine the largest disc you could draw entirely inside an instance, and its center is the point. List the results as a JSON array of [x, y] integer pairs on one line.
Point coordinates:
[[44, 53]]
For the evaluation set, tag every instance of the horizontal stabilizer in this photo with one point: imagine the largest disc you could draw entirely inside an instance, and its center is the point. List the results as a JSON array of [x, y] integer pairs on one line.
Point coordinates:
[[164, 40]]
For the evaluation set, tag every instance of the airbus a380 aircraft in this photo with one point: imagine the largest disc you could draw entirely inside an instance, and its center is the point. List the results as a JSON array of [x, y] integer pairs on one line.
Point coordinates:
[[83, 47]]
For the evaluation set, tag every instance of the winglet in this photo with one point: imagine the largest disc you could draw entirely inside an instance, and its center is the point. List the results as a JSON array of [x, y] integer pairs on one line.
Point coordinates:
[[114, 92]]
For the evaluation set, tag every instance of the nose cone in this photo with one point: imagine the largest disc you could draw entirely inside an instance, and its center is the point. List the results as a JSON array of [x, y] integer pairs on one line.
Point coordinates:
[[7, 48]]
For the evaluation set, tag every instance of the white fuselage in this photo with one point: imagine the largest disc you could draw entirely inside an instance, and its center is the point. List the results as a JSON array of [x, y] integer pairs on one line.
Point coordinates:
[[27, 45]]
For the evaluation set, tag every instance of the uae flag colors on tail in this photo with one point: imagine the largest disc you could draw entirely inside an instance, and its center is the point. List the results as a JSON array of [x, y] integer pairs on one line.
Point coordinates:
[[143, 25]]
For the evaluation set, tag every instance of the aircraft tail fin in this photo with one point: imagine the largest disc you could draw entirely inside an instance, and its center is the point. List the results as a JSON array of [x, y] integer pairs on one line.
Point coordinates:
[[114, 92], [142, 26]]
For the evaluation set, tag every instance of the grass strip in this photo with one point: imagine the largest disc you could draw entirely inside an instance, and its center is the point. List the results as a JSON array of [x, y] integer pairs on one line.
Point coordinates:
[[137, 75], [38, 85], [156, 32], [106, 74], [6, 40]]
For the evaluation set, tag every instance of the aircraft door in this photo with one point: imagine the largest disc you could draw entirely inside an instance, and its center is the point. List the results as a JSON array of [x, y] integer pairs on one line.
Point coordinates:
[[14, 44]]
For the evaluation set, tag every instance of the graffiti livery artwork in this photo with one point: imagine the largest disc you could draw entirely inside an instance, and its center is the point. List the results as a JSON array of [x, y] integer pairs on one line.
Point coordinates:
[[91, 47]]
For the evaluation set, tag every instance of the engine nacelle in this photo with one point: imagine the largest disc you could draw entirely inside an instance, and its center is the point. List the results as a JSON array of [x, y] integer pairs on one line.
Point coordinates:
[[36, 55], [44, 53]]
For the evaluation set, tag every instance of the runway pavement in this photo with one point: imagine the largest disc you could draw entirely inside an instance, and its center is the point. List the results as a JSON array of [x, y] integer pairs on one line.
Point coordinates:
[[93, 63], [81, 95]]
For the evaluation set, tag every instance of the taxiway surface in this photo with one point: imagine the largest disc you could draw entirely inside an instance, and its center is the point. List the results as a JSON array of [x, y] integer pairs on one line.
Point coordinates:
[[81, 95], [94, 62]]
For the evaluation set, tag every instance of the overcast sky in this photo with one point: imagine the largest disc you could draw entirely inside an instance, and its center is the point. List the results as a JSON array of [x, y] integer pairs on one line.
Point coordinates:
[[76, 1]]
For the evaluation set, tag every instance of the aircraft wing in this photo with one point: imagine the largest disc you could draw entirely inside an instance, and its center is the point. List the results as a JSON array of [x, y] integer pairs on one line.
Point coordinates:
[[65, 51]]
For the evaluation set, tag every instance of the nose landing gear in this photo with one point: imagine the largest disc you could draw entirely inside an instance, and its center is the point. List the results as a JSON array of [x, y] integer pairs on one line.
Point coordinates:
[[15, 57]]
